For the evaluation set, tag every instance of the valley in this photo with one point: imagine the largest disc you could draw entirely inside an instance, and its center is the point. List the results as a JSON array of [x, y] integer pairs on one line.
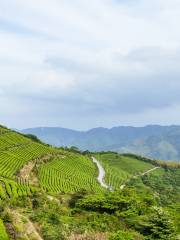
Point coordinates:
[[53, 193], [89, 120], [153, 141]]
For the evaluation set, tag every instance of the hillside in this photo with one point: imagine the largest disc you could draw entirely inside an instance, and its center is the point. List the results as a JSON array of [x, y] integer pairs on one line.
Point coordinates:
[[51, 193], [56, 169], [165, 181], [118, 172], [154, 141]]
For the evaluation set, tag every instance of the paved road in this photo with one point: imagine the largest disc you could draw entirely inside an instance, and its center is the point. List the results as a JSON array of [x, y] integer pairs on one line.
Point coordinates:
[[101, 173]]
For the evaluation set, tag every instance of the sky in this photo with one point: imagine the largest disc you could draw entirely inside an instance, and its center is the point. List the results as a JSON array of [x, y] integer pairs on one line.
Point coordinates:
[[82, 64]]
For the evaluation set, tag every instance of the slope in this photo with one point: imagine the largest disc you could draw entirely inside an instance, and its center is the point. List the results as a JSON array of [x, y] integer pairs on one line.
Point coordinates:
[[159, 142], [56, 170], [121, 168], [57, 207]]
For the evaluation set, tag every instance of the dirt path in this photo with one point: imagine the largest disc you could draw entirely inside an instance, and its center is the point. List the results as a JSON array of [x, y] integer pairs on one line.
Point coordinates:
[[152, 169], [27, 172], [24, 172], [92, 236], [140, 175], [27, 228], [52, 198]]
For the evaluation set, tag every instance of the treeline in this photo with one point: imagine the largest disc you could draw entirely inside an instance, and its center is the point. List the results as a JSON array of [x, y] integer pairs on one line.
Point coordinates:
[[159, 163]]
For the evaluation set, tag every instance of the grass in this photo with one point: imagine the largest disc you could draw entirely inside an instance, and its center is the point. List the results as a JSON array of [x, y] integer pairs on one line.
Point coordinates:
[[12, 189], [3, 233], [81, 214], [69, 173], [121, 168], [16, 150], [63, 171]]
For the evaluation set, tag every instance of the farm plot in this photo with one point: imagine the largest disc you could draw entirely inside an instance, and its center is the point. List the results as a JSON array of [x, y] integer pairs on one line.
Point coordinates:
[[69, 173], [13, 189], [16, 150], [120, 168]]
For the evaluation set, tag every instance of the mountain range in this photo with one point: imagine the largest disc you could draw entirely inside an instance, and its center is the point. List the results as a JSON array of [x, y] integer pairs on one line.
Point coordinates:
[[154, 141]]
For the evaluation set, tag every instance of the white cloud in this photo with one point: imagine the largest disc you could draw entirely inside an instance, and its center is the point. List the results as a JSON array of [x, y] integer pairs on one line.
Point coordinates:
[[105, 56]]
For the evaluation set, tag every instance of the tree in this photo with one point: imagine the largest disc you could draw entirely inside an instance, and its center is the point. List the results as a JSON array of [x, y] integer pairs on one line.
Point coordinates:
[[158, 226]]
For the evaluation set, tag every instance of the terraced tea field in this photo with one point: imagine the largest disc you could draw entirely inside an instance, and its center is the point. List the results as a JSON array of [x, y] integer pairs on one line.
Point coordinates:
[[62, 171], [121, 168], [16, 150], [13, 189], [69, 173]]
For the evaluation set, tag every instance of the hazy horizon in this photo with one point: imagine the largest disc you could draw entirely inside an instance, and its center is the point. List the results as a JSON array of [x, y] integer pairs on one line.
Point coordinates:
[[84, 130]]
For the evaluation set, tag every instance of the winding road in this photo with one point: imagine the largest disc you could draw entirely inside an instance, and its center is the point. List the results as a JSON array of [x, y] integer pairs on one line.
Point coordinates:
[[101, 174]]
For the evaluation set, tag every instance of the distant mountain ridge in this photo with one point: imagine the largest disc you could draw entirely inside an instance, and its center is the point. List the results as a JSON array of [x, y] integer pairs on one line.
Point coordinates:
[[155, 141]]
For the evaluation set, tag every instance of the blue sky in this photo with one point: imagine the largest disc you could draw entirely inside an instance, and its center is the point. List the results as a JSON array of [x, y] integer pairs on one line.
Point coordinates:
[[83, 64]]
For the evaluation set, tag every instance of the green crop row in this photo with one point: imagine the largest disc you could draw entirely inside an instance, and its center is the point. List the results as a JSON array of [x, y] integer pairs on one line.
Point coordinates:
[[65, 172], [12, 189], [13, 158], [12, 139], [69, 173], [3, 130], [120, 169]]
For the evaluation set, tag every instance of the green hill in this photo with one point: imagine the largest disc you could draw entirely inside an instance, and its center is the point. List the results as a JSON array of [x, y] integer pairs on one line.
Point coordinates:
[[69, 173], [64, 171], [51, 193], [16, 150], [120, 168], [154, 141]]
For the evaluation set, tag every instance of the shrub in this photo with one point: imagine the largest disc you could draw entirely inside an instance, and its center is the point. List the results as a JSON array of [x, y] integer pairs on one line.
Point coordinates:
[[121, 235]]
